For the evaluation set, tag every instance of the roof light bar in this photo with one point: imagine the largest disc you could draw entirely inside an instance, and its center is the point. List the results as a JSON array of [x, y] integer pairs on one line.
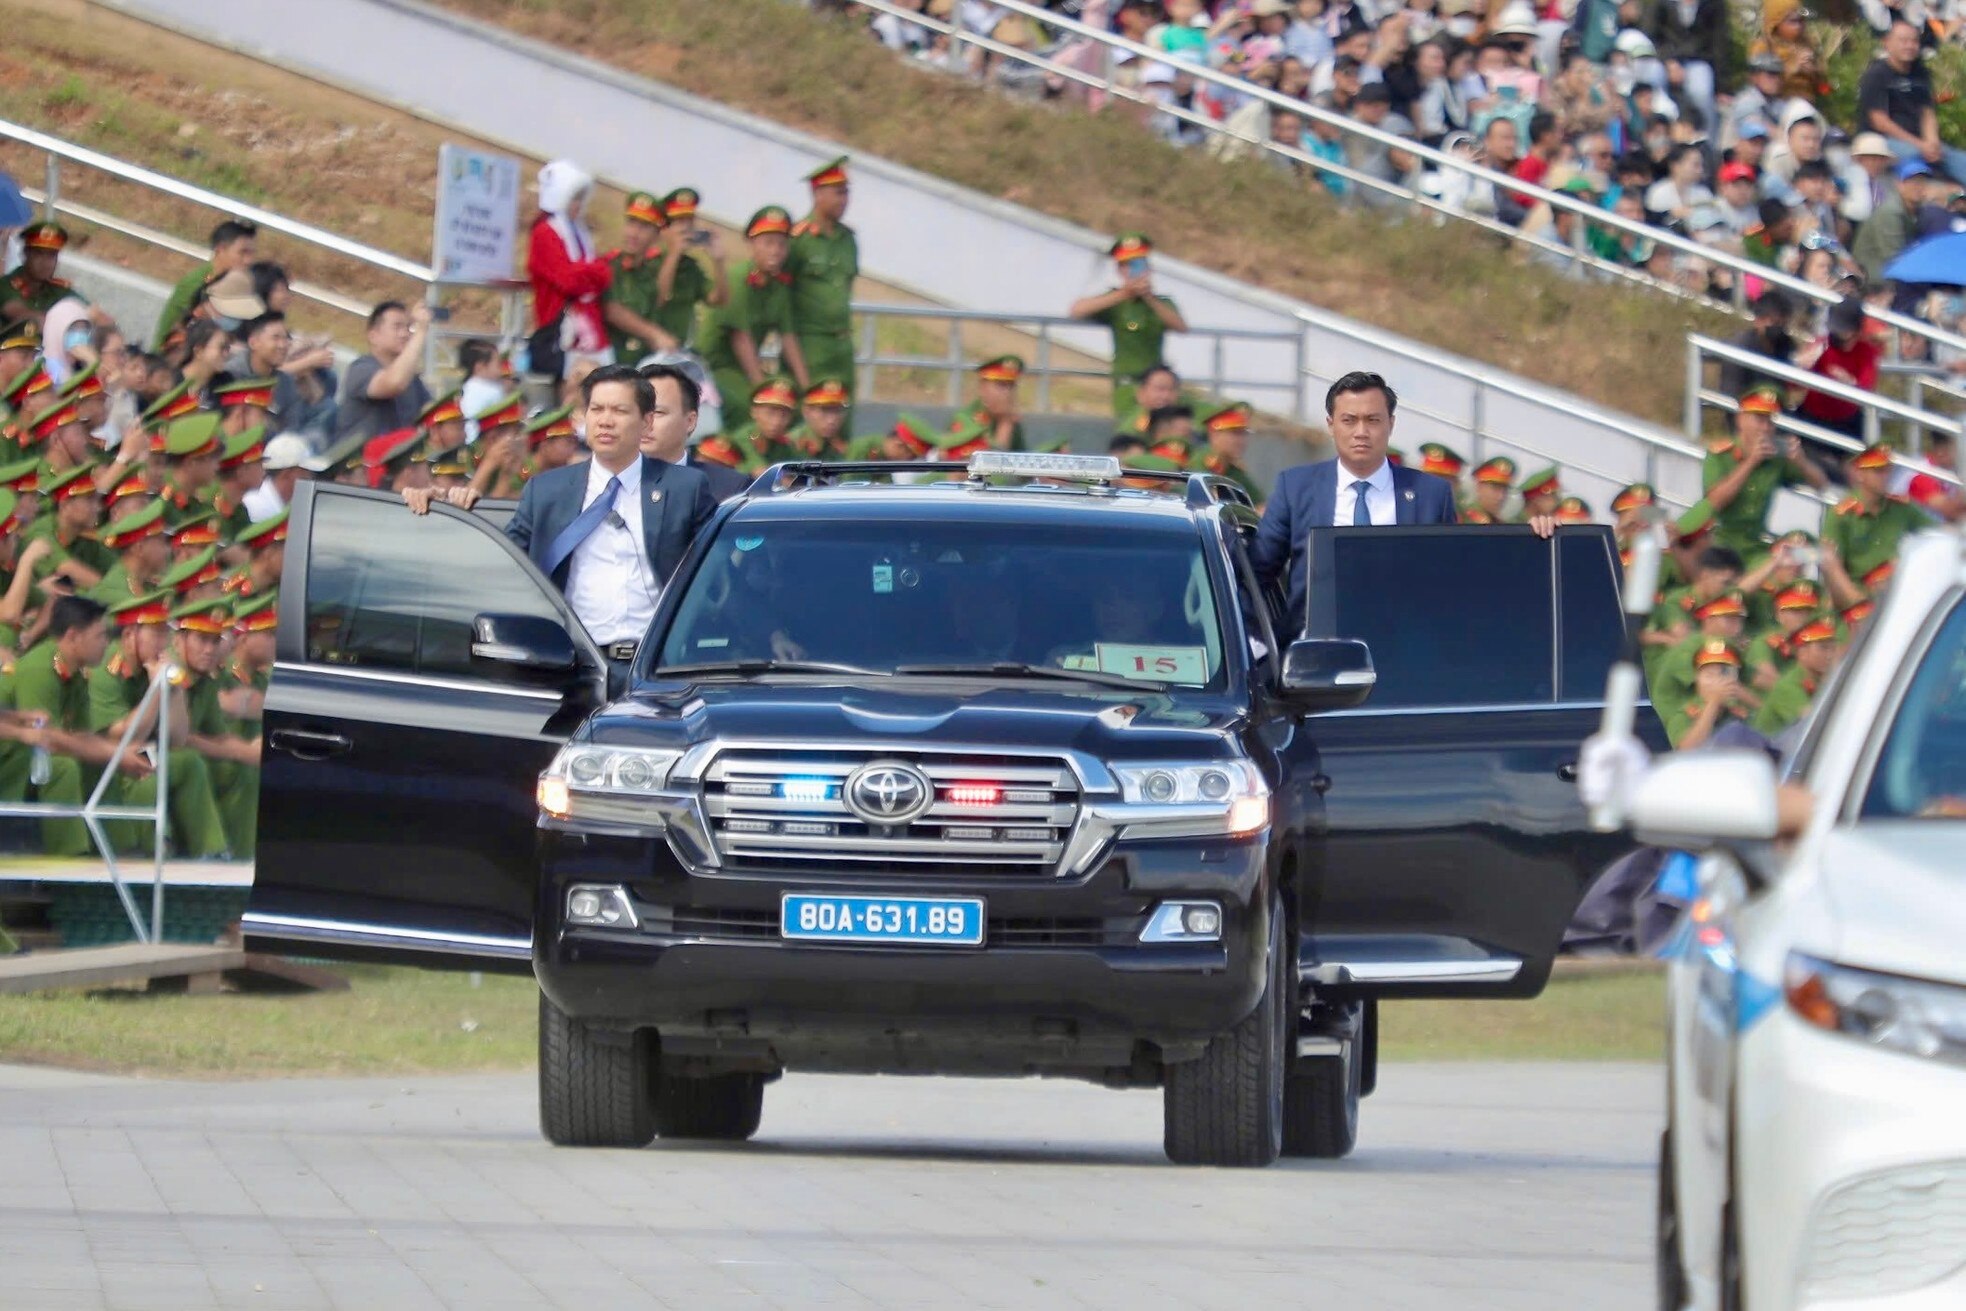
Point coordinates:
[[1022, 464]]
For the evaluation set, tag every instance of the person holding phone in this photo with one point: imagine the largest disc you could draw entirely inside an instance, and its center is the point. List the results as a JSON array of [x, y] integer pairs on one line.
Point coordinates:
[[1139, 318], [681, 281]]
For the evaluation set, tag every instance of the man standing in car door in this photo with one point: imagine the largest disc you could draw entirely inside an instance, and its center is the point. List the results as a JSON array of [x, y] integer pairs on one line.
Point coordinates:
[[608, 531], [1358, 488]]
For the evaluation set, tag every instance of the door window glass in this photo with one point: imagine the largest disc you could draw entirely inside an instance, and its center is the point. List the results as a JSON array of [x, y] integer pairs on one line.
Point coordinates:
[[1593, 622], [389, 590], [1922, 771], [1454, 616]]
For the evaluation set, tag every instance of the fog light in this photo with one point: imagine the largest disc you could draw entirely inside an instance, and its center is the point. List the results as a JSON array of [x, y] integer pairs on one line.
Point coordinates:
[[1184, 921], [604, 906]]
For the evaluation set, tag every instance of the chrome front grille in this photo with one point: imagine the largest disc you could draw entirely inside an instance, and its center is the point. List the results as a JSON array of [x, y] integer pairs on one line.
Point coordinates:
[[773, 809]]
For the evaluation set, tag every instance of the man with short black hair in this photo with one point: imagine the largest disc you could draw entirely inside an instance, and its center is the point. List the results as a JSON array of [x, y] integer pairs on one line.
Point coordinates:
[[673, 421], [269, 341], [1768, 335], [1359, 487], [234, 244], [382, 391], [611, 530]]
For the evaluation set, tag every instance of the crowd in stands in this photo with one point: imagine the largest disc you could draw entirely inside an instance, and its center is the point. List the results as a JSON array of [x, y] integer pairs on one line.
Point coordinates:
[[1671, 113]]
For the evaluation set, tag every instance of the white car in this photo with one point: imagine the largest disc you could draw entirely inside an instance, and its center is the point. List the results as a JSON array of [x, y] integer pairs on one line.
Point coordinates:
[[1815, 1150]]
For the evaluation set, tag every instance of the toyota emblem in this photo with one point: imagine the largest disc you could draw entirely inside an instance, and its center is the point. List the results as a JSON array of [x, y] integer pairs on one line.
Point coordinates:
[[886, 792]]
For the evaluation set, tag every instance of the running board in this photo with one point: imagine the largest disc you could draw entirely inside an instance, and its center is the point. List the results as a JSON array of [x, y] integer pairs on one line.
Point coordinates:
[[1339, 961]]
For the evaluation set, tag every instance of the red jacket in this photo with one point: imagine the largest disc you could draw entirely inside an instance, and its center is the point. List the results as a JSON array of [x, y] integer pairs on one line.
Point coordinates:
[[558, 279], [1860, 362]]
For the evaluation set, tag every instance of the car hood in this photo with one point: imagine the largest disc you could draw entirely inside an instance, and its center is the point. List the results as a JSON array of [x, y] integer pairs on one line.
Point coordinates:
[[946, 715], [1897, 893]]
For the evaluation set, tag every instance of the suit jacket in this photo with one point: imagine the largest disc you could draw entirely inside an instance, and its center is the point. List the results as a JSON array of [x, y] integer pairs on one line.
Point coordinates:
[[670, 520], [725, 482], [1306, 497]]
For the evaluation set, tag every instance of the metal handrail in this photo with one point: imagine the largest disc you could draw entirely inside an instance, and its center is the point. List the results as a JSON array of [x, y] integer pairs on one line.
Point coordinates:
[[92, 812], [955, 363], [1740, 265], [1875, 407], [264, 218]]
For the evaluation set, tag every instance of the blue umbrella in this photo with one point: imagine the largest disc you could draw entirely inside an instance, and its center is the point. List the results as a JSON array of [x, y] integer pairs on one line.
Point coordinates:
[[1936, 261], [15, 212]]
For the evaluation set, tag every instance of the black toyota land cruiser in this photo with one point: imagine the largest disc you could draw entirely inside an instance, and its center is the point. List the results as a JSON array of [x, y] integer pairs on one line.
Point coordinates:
[[1018, 774]]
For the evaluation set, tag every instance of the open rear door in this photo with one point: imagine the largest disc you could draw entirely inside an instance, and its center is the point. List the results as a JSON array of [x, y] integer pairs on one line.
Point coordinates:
[[397, 815], [1456, 848]]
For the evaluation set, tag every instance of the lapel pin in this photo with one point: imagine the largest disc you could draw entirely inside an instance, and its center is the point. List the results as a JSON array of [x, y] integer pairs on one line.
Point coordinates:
[[655, 496], [1409, 494]]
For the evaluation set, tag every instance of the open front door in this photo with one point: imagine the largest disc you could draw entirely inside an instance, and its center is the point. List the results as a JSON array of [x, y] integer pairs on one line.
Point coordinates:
[[397, 816], [1456, 848]]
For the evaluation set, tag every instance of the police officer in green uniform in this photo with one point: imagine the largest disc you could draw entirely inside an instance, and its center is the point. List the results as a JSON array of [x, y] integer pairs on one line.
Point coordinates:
[[758, 307], [1718, 695], [682, 283], [1712, 571], [32, 287], [243, 681], [768, 433], [1541, 492], [51, 679], [1673, 687], [1139, 318], [1778, 571], [1817, 646], [239, 471], [196, 650], [74, 550], [630, 303], [824, 261], [191, 454], [822, 433], [143, 553], [20, 346], [265, 544], [1862, 533], [1769, 651], [116, 688], [1742, 473], [1493, 480], [996, 406], [1227, 430]]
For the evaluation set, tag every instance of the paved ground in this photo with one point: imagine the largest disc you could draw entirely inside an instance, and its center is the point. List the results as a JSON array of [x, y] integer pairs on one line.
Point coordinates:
[[1518, 1187]]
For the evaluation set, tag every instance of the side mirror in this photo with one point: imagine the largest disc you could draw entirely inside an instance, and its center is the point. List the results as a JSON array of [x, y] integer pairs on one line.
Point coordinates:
[[523, 642], [1327, 673], [1700, 799]]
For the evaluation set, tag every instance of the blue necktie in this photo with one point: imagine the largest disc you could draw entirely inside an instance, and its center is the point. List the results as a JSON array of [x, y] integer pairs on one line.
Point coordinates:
[[581, 528], [1361, 512]]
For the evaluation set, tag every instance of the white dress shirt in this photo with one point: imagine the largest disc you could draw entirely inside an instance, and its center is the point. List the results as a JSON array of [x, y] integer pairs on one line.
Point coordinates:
[[610, 583], [1378, 497], [263, 501]]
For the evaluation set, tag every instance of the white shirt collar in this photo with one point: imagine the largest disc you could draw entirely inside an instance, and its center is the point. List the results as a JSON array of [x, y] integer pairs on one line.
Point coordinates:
[[597, 478], [1381, 479]]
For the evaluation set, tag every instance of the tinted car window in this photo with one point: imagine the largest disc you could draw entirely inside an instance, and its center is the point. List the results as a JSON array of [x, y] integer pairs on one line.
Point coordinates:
[[882, 593], [389, 590], [1588, 610], [1921, 773], [1454, 615]]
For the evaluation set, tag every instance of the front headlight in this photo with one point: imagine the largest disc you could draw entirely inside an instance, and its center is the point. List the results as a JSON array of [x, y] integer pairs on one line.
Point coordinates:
[[587, 767], [1234, 785], [1914, 1016]]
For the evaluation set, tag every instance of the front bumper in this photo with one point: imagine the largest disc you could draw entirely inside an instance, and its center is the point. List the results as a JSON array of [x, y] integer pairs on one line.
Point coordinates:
[[1062, 978], [1850, 1174]]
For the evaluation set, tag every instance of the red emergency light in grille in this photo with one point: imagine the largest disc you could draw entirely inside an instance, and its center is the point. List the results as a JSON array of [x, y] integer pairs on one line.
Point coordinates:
[[975, 794]]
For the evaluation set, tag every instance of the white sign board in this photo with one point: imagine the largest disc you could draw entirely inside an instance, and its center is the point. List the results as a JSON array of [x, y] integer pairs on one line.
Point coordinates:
[[477, 232]]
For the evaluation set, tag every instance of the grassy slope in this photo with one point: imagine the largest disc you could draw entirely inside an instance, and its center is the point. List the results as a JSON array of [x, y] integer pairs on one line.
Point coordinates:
[[407, 1021], [1448, 286]]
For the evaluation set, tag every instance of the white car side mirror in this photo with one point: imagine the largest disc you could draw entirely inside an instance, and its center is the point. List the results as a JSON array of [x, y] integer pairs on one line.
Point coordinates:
[[1696, 799]]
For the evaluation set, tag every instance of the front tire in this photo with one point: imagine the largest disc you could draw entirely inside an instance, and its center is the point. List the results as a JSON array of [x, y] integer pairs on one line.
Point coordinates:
[[595, 1089], [721, 1107], [1227, 1107]]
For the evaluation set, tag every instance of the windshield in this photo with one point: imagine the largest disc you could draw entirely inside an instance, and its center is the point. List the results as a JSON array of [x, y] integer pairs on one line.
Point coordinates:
[[920, 595], [1921, 773]]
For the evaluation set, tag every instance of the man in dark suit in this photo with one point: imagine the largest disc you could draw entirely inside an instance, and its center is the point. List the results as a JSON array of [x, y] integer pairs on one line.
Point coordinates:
[[1360, 487], [610, 530]]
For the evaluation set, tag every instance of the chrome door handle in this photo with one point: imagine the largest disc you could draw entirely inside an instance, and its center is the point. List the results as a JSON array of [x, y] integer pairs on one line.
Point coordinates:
[[305, 745]]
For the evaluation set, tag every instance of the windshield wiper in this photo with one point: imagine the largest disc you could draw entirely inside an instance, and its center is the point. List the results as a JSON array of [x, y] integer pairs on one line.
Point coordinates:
[[748, 668], [1017, 669]]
